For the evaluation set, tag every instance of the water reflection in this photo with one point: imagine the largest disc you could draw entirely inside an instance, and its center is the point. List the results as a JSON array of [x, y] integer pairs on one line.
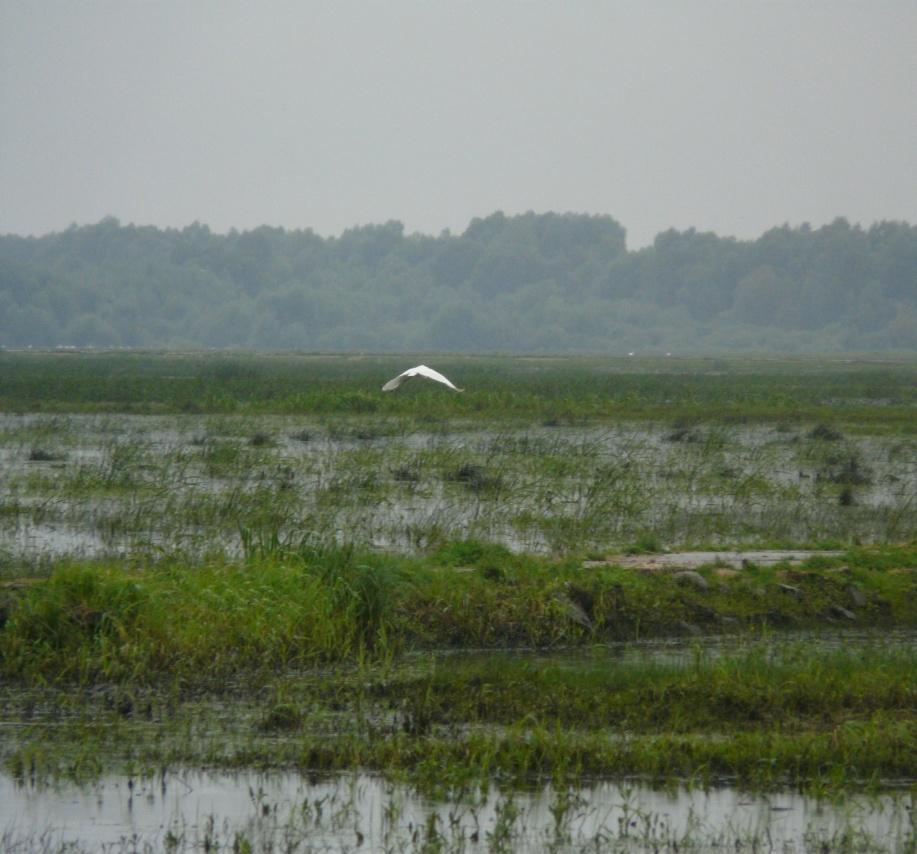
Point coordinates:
[[205, 810], [120, 484], [677, 651]]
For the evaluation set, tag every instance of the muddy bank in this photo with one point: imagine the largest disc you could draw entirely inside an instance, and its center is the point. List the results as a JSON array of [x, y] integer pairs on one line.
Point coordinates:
[[673, 561]]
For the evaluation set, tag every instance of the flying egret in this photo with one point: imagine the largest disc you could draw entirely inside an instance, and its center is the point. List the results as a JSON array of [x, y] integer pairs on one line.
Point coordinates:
[[419, 371]]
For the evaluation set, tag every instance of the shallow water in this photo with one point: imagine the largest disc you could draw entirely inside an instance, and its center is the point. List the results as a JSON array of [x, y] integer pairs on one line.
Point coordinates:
[[194, 809], [190, 809], [681, 651], [123, 484]]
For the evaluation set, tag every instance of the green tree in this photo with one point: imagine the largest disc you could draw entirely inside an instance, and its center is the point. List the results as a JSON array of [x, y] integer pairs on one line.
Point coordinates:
[[764, 298]]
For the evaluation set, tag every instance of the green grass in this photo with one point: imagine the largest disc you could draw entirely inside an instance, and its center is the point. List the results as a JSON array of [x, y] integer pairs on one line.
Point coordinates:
[[325, 658], [790, 689], [773, 715], [552, 390], [298, 604]]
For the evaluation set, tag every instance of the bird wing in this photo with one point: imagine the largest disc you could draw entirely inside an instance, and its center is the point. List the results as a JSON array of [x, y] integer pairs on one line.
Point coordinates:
[[419, 371], [392, 384], [430, 374]]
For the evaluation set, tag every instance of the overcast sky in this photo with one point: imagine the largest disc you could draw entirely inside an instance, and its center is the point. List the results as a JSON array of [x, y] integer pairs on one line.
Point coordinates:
[[726, 116]]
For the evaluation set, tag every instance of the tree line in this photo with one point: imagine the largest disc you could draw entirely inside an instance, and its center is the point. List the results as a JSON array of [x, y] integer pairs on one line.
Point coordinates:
[[529, 283]]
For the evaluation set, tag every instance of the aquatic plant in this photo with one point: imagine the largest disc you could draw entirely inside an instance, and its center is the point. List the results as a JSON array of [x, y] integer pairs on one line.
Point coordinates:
[[310, 600]]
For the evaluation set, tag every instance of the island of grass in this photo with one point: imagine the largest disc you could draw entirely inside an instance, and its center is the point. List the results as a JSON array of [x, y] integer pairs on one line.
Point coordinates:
[[473, 661]]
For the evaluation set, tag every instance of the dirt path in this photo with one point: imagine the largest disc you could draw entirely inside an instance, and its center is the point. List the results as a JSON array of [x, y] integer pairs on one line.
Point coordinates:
[[691, 560]]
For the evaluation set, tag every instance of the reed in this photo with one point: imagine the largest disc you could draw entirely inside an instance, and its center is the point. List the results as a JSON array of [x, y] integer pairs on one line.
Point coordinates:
[[299, 602]]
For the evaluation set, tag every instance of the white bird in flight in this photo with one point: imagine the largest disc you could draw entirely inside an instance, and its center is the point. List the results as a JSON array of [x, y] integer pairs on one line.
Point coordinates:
[[419, 371]]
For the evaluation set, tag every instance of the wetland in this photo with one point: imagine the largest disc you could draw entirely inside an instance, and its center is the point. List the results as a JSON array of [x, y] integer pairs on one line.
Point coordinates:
[[430, 621]]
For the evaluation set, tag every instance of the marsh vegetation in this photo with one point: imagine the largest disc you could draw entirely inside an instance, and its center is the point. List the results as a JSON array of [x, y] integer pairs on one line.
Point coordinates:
[[263, 563], [544, 456]]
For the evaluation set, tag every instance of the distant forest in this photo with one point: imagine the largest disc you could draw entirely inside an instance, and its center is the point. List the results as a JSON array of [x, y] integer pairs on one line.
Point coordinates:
[[530, 283]]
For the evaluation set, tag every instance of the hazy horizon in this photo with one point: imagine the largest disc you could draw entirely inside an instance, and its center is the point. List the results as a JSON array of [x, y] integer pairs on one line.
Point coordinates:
[[454, 231], [731, 118]]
